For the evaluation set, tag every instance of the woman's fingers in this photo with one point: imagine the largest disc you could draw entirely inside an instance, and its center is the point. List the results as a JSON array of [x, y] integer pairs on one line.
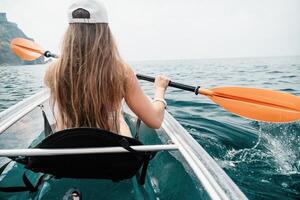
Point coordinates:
[[161, 82]]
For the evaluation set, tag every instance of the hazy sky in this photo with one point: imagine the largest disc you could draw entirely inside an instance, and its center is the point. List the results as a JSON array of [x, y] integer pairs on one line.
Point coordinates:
[[175, 29]]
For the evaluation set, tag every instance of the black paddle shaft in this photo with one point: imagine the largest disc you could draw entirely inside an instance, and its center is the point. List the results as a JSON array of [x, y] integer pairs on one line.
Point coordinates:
[[171, 83]]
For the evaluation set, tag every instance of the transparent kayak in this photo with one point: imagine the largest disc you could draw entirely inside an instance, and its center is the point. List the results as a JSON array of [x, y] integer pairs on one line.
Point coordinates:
[[182, 169]]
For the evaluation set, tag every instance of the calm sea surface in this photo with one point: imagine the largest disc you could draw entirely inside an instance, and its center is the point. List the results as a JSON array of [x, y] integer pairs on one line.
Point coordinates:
[[263, 159]]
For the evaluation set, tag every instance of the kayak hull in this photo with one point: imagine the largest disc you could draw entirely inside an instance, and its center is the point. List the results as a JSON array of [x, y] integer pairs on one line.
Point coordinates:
[[186, 173], [164, 173]]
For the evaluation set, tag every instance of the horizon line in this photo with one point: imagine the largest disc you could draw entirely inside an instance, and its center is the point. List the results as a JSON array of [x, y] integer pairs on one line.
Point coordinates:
[[211, 58]]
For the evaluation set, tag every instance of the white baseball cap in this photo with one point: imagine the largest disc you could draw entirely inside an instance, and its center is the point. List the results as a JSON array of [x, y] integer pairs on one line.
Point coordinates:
[[94, 12]]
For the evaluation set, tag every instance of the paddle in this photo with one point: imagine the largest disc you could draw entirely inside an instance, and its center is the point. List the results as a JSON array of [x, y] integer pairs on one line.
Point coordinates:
[[258, 104], [29, 50]]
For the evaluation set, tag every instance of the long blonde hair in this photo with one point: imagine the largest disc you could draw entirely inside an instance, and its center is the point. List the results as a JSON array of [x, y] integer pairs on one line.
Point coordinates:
[[89, 78]]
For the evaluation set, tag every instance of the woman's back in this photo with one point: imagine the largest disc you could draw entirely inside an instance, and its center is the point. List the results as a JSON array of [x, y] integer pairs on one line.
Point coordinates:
[[89, 80]]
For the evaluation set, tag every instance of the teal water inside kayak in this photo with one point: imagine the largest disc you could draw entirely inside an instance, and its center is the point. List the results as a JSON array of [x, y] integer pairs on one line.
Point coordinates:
[[263, 159]]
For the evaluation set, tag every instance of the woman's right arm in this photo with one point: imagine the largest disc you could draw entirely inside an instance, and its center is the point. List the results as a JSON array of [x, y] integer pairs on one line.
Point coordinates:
[[151, 113]]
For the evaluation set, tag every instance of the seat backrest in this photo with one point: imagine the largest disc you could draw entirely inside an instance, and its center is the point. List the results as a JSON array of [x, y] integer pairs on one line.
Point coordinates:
[[114, 166]]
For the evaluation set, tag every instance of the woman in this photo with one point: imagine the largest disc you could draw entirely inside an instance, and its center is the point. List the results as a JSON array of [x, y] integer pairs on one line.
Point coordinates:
[[89, 80]]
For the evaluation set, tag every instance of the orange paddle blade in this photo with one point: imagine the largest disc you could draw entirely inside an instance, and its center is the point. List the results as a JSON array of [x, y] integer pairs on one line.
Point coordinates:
[[257, 104], [26, 49]]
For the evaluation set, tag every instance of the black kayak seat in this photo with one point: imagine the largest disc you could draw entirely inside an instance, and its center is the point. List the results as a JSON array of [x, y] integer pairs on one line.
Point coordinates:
[[114, 166]]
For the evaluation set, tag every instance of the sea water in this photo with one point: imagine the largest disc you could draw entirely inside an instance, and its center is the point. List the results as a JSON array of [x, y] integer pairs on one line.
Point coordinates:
[[263, 159]]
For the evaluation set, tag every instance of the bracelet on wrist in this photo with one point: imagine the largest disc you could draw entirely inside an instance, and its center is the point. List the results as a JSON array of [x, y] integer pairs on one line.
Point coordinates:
[[160, 100]]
